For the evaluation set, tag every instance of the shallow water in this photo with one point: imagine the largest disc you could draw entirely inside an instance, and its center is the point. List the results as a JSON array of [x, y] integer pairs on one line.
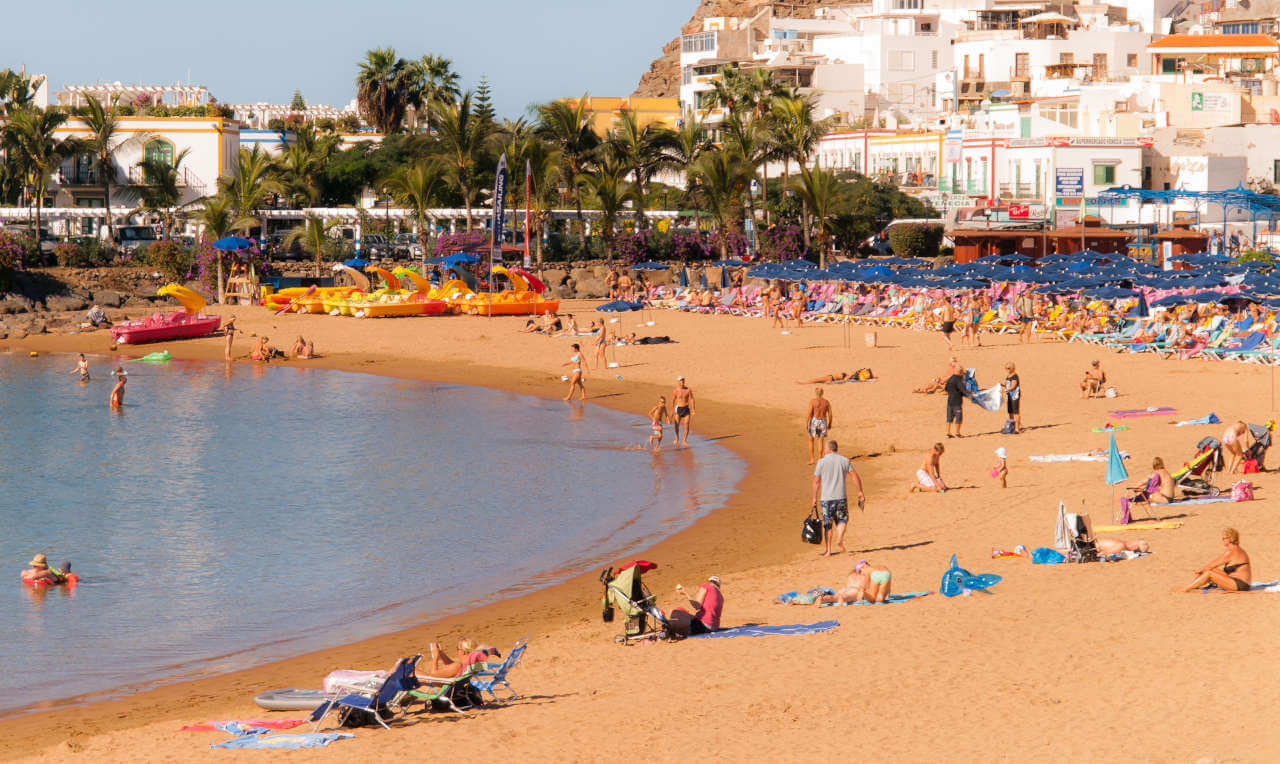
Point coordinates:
[[227, 517]]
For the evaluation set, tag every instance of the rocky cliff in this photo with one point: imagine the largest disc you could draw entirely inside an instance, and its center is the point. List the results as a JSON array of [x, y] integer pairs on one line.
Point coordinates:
[[663, 78]]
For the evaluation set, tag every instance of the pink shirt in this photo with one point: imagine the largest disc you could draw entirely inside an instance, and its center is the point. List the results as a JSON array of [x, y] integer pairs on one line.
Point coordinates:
[[712, 604]]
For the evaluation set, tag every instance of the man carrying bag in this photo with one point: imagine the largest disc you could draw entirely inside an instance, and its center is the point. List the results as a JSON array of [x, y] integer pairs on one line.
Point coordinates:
[[829, 489]]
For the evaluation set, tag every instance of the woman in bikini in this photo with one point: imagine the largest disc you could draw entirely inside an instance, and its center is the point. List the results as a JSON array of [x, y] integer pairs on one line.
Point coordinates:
[[1233, 442], [1230, 570], [576, 376]]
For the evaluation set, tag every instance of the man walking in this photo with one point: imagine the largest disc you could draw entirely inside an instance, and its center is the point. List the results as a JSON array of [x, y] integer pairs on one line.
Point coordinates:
[[955, 402], [820, 421], [1026, 314], [829, 488], [682, 399]]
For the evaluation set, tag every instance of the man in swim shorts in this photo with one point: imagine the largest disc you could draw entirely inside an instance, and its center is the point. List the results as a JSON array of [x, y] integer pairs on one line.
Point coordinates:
[[929, 476], [829, 488], [1026, 315], [682, 399], [955, 403], [82, 368], [820, 421], [948, 321]]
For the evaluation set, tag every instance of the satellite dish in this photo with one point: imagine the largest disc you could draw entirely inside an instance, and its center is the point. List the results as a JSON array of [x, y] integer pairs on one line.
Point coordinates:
[[1242, 3]]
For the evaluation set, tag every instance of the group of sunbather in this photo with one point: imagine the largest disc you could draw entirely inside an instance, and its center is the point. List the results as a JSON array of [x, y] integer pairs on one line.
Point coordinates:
[[263, 351]]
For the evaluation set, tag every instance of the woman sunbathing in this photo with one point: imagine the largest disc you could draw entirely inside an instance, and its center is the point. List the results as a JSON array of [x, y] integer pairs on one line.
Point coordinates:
[[441, 666], [1159, 488], [1120, 546], [934, 386], [1230, 570], [840, 376]]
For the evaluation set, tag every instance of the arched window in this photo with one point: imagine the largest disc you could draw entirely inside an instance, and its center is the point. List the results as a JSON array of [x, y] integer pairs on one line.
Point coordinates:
[[158, 150]]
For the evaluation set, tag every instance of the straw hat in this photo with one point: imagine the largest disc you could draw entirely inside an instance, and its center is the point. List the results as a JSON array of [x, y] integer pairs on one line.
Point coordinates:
[[39, 561]]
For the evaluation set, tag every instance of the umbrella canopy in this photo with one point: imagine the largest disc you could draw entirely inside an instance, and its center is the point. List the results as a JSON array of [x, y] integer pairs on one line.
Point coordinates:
[[232, 243], [454, 259], [357, 263], [649, 266], [1116, 473]]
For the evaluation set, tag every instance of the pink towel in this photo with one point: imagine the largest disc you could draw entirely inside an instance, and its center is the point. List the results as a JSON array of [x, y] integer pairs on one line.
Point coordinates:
[[1132, 413]]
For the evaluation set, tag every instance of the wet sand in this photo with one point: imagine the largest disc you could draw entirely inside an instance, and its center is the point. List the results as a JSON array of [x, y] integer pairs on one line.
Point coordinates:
[[1059, 662]]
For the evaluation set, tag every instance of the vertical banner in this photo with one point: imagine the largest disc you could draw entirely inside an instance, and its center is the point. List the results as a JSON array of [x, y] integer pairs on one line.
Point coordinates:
[[499, 211], [528, 202]]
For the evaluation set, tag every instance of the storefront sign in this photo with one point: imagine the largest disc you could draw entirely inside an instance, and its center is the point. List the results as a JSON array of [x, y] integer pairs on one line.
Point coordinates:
[[1069, 181]]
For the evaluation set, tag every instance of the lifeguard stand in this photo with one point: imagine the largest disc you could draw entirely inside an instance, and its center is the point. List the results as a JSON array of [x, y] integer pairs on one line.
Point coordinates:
[[241, 290]]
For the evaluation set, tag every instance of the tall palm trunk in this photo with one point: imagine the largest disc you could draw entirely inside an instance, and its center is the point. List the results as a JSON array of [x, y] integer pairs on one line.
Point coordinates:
[[106, 201]]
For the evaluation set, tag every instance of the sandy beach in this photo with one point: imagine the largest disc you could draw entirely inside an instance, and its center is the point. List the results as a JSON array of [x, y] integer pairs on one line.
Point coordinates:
[[1058, 663]]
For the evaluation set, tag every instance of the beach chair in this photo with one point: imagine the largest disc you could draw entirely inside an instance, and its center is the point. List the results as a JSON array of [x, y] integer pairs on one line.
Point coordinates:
[[1195, 477], [448, 693], [490, 679], [374, 700], [1080, 540]]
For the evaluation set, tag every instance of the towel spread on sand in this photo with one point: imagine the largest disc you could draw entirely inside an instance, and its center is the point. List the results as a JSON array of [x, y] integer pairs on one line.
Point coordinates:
[[1257, 586], [287, 740], [1144, 525], [892, 598], [803, 598], [1211, 419], [1087, 456], [770, 631], [1200, 500], [245, 724], [1131, 413]]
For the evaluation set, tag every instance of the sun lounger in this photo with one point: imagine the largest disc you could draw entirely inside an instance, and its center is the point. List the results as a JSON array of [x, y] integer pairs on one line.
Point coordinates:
[[488, 680], [377, 700]]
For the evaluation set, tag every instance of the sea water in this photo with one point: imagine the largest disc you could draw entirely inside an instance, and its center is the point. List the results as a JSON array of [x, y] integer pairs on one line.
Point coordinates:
[[229, 515]]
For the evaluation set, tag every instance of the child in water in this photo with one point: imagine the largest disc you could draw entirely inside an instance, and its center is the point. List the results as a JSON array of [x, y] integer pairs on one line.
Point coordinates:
[[117, 392], [1001, 470], [82, 368], [658, 414]]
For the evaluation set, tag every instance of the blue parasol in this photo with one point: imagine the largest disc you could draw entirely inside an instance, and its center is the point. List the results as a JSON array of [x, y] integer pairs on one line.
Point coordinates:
[[232, 243]]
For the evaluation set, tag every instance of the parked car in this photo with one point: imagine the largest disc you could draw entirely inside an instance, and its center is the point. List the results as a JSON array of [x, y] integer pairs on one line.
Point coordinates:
[[130, 237], [374, 245], [406, 246]]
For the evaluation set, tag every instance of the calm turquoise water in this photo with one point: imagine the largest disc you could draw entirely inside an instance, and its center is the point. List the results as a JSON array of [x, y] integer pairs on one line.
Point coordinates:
[[230, 516]]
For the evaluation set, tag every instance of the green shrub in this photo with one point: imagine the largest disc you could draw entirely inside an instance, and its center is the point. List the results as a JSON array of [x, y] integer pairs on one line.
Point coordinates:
[[275, 123], [1256, 256], [88, 252], [915, 239], [170, 258]]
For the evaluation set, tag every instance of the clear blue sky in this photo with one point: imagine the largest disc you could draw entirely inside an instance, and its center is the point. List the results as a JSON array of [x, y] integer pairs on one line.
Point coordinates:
[[262, 50]]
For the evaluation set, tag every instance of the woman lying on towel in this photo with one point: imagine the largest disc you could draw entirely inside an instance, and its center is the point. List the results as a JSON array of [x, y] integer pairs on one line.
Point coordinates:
[[1230, 570], [934, 386], [867, 582], [442, 666]]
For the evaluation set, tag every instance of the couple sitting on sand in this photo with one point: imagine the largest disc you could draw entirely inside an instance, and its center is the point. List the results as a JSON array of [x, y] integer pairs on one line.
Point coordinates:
[[867, 583]]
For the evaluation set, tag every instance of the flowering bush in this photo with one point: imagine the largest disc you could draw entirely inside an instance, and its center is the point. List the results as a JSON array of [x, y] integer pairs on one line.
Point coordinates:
[[204, 267], [631, 248], [475, 242], [781, 242], [734, 243], [172, 259], [689, 245], [11, 253], [66, 254]]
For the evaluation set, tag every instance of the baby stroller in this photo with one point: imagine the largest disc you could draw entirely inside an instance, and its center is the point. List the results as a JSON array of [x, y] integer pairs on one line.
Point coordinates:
[[1074, 533], [625, 590], [1195, 478], [1261, 442]]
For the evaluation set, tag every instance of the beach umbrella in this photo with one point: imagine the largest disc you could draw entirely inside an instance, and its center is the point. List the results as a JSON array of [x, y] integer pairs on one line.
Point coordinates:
[[684, 277], [649, 266], [1116, 473], [232, 243], [794, 264], [356, 262]]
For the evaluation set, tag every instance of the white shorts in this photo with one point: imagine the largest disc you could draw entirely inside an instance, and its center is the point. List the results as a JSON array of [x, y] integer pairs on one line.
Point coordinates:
[[924, 479]]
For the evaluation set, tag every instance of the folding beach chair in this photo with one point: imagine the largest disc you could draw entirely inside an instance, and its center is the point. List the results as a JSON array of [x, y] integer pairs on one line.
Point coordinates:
[[488, 680], [448, 693], [373, 700]]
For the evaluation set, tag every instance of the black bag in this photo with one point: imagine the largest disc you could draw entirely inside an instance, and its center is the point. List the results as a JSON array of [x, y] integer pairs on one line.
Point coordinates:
[[812, 531]]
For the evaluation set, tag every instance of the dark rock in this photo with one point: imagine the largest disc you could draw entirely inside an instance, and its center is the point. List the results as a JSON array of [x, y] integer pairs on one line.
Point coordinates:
[[64, 303], [108, 298], [16, 303]]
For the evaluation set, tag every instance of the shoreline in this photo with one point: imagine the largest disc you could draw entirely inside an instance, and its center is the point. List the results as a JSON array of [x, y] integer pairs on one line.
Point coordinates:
[[1018, 653], [49, 716]]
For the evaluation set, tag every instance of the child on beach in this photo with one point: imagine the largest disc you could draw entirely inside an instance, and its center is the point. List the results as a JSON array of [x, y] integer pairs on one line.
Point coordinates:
[[82, 368], [117, 392], [657, 415], [1001, 470]]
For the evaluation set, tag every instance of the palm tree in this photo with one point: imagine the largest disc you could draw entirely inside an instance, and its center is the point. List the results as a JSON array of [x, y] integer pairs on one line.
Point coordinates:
[[723, 177], [461, 139], [824, 197], [302, 162], [417, 186], [745, 136], [796, 132], [433, 80], [102, 145], [218, 219], [757, 91], [17, 91], [162, 192], [524, 148], [608, 189], [249, 184], [384, 89], [31, 143], [691, 141], [643, 152], [727, 90], [313, 233], [568, 129]]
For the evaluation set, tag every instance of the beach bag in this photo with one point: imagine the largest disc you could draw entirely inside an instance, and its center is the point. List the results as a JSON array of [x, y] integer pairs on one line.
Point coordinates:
[[1250, 466], [1111, 392], [811, 533], [1008, 427], [862, 375], [1124, 510], [1242, 491]]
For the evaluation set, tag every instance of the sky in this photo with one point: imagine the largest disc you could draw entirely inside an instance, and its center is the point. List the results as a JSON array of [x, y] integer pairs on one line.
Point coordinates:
[[246, 52]]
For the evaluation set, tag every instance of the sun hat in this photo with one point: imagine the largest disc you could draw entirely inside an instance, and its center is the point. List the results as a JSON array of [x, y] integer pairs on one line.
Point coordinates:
[[860, 565], [1000, 452], [679, 379], [715, 580], [39, 561]]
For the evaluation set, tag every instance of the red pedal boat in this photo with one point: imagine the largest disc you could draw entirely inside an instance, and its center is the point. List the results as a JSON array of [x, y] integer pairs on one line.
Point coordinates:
[[179, 325]]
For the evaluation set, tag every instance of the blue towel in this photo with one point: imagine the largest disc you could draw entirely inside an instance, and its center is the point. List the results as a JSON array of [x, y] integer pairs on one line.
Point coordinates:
[[770, 631], [288, 740], [1211, 419], [892, 598], [1201, 500], [1046, 556], [806, 598]]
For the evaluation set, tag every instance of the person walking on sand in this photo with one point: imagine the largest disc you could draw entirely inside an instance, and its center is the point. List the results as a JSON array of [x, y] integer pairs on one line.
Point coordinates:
[[1013, 396], [576, 382], [1001, 470], [82, 368], [658, 416], [929, 476], [682, 399], [117, 392], [948, 321], [829, 488], [955, 403], [1026, 314], [819, 420]]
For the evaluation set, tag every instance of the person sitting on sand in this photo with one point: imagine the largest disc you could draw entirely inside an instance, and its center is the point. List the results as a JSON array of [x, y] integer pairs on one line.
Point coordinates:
[[299, 347], [97, 317], [1120, 546], [308, 352], [703, 615], [40, 571], [929, 476], [1093, 381], [1230, 570], [117, 393], [1159, 488], [262, 351], [936, 385], [82, 368]]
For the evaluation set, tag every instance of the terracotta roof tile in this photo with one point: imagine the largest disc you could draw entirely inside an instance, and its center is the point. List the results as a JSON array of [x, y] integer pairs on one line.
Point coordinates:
[[1216, 41]]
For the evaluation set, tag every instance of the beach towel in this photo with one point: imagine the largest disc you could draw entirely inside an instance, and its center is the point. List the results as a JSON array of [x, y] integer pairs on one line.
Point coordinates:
[[1111, 428], [1201, 500], [288, 740], [1122, 556], [1046, 556], [244, 724], [770, 631], [1272, 587], [1153, 411], [892, 598], [1145, 525], [803, 598], [1087, 456], [1211, 419]]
